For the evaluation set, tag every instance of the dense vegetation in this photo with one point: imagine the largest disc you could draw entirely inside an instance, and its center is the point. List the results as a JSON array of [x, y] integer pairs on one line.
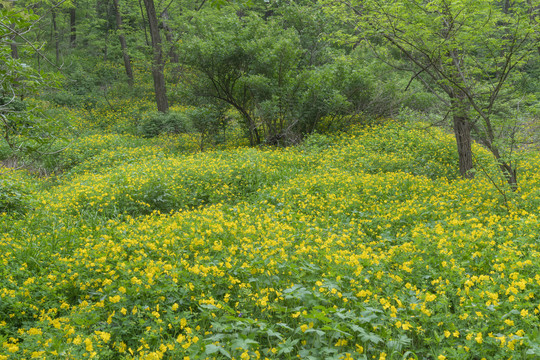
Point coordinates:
[[192, 180], [348, 246]]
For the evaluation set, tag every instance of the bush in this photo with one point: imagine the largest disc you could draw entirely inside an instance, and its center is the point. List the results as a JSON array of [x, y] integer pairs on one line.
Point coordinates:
[[156, 123], [316, 142], [14, 189], [11, 198]]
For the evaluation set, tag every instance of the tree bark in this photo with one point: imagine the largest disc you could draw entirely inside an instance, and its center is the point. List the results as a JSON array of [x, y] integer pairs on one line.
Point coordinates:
[[157, 64], [73, 27], [123, 44], [55, 37], [173, 54], [13, 45], [506, 6], [510, 174], [169, 37], [144, 24], [462, 131]]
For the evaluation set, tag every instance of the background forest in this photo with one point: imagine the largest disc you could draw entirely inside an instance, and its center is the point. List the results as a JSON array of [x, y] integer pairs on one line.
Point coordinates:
[[265, 179], [277, 71]]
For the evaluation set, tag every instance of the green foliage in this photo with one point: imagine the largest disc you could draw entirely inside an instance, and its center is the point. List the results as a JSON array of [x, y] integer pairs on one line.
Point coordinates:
[[282, 89], [22, 127], [348, 246], [155, 123], [12, 195], [469, 60]]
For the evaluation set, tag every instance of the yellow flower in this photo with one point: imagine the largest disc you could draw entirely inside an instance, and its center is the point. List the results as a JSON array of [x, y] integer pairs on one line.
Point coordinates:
[[88, 344], [105, 336], [34, 331], [478, 338], [12, 348], [304, 327], [341, 342]]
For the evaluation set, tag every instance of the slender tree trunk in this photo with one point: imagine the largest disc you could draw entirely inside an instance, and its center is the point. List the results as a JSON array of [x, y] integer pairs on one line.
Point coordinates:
[[507, 169], [123, 44], [144, 24], [55, 36], [461, 124], [533, 10], [510, 174], [157, 65], [462, 132], [73, 27], [13, 45], [254, 138], [173, 54], [169, 37], [506, 6]]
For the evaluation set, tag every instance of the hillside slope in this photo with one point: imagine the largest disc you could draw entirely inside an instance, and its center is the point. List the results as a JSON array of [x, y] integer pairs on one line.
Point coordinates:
[[359, 246]]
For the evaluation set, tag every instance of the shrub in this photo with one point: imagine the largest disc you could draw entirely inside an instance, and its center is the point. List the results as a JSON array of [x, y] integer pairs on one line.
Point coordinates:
[[156, 123], [14, 189]]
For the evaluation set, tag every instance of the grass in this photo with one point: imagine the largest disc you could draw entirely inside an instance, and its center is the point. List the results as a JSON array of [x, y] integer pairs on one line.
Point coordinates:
[[364, 245]]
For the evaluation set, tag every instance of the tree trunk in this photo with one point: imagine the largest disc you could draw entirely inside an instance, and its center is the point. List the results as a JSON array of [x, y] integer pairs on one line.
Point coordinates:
[[13, 45], [510, 174], [55, 36], [169, 37], [144, 24], [157, 64], [123, 44], [462, 131], [506, 6], [173, 54], [73, 27], [507, 169]]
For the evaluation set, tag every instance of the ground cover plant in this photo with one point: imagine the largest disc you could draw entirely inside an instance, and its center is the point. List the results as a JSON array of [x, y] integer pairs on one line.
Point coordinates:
[[131, 233], [355, 246]]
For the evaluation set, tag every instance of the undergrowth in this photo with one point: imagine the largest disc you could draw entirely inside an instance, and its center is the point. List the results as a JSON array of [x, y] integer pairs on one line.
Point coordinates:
[[352, 246]]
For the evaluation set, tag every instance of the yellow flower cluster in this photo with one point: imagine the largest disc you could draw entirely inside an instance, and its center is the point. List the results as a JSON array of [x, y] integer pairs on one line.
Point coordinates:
[[355, 249]]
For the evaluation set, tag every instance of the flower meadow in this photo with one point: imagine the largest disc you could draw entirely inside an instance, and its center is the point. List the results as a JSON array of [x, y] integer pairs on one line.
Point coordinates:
[[365, 245]]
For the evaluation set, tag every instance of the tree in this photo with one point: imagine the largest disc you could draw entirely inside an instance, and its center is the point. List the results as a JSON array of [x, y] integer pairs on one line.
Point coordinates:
[[73, 26], [21, 128], [123, 43], [468, 50], [157, 64], [272, 71]]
